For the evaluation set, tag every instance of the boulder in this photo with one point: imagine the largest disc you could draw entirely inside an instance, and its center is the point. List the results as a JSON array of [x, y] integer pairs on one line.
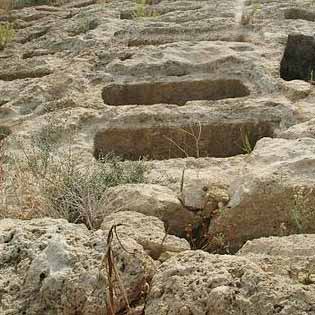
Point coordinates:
[[49, 266], [205, 188], [205, 181], [195, 282], [274, 194], [288, 246], [290, 256], [297, 89], [147, 231], [302, 130], [152, 200]]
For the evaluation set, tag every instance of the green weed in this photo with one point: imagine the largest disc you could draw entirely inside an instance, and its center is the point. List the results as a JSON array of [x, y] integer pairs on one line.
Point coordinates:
[[247, 147], [7, 34]]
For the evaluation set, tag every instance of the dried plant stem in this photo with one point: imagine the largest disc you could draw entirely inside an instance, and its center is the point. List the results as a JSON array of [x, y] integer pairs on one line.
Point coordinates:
[[112, 273], [192, 133], [177, 145]]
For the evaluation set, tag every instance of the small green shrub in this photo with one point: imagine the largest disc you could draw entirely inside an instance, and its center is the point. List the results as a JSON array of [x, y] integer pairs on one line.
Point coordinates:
[[247, 147], [77, 195], [303, 210], [7, 34], [4, 132]]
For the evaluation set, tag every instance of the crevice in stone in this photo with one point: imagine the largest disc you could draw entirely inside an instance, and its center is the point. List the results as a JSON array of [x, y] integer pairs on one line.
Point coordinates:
[[4, 132], [152, 10]]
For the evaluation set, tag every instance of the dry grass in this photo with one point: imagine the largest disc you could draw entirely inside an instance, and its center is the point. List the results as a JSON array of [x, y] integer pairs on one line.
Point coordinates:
[[39, 180], [7, 34], [194, 132]]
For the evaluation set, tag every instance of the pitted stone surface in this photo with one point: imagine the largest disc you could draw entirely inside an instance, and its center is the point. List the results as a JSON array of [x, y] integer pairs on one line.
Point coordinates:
[[195, 282], [51, 266]]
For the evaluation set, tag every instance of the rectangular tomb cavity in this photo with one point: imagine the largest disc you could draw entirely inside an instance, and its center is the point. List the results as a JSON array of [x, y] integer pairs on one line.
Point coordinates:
[[214, 140], [299, 14], [298, 61], [179, 92]]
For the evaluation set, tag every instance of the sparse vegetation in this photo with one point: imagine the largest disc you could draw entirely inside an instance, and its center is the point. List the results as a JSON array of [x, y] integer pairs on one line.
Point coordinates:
[[194, 132], [6, 34], [312, 78], [250, 16], [143, 10], [247, 147], [301, 212], [109, 269], [49, 182], [4, 132]]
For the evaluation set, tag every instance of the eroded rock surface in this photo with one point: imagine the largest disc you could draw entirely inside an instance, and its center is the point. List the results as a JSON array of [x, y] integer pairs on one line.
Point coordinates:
[[274, 194], [151, 200], [289, 246], [53, 267], [302, 130], [197, 88], [195, 282]]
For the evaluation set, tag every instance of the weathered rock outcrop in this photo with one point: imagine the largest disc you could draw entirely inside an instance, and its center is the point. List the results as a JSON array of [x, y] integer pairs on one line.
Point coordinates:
[[148, 231], [274, 194], [196, 181], [195, 282], [151, 200], [303, 130], [52, 267], [195, 87], [296, 90]]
